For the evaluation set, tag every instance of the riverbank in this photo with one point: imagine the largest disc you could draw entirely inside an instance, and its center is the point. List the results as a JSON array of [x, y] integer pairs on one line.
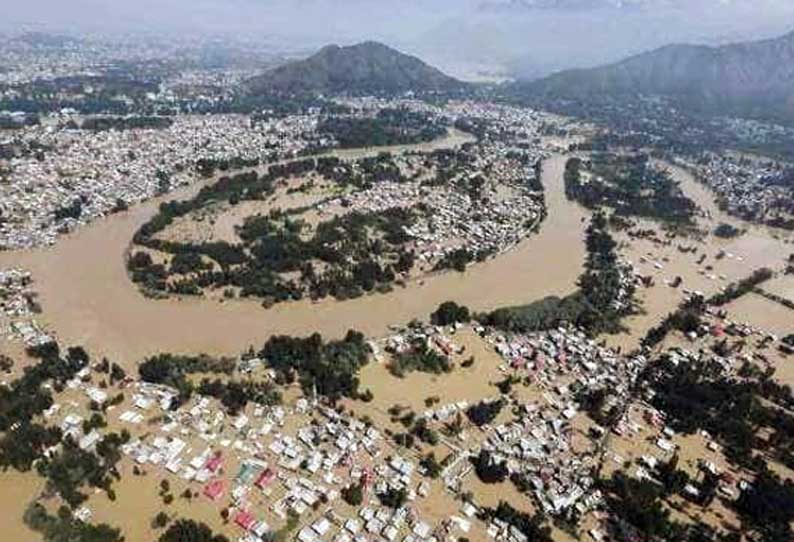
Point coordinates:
[[88, 298]]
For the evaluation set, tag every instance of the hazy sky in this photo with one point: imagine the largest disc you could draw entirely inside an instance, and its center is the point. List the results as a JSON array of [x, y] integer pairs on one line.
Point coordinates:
[[537, 35]]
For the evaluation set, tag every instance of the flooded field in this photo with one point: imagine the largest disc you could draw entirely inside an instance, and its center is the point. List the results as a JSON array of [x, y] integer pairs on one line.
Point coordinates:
[[782, 286], [88, 298], [725, 261], [17, 491], [762, 313]]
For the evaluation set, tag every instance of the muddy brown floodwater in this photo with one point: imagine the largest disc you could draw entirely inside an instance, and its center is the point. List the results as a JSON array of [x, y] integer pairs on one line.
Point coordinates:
[[88, 298]]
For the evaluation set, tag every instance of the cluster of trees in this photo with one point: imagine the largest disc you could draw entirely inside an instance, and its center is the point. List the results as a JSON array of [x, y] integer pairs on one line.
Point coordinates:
[[207, 167], [69, 92], [235, 395], [661, 123], [744, 286], [489, 469], [173, 370], [727, 231], [22, 438], [687, 318], [388, 127], [63, 527], [419, 429], [73, 210], [71, 467], [546, 313], [431, 465], [449, 313], [188, 530], [484, 412], [630, 185], [419, 357], [353, 494], [356, 250], [696, 395], [8, 122], [531, 526], [459, 258], [329, 369], [767, 507], [639, 503], [595, 401], [605, 284], [393, 498]]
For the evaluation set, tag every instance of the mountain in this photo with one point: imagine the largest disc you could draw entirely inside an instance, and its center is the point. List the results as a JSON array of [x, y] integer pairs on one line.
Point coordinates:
[[367, 67], [736, 78]]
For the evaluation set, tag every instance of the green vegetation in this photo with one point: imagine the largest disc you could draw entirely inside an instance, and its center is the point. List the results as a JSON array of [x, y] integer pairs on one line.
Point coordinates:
[[697, 395], [449, 313], [70, 468], [187, 530], [419, 357], [279, 257], [353, 494], [393, 498], [595, 401], [767, 507], [727, 231], [329, 369], [173, 370], [630, 185], [530, 526], [686, 319], [489, 469], [458, 259], [235, 395], [65, 528], [639, 504], [431, 465], [484, 412], [23, 438], [388, 127], [738, 289]]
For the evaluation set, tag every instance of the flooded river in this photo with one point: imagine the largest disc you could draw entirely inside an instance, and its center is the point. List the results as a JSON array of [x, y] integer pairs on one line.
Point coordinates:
[[89, 300]]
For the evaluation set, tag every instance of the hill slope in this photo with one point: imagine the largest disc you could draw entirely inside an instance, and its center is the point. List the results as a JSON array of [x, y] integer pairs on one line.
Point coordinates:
[[731, 78], [368, 67]]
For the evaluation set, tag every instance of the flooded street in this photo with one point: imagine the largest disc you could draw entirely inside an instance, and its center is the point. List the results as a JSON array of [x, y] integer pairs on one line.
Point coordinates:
[[89, 300]]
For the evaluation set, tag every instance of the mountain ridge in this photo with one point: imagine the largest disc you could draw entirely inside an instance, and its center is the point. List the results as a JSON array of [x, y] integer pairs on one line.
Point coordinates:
[[366, 67], [733, 76]]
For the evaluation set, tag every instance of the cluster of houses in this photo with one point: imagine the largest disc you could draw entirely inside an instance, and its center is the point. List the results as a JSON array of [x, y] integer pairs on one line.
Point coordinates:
[[750, 188], [82, 175], [538, 444], [266, 465], [451, 217], [270, 463], [18, 307]]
